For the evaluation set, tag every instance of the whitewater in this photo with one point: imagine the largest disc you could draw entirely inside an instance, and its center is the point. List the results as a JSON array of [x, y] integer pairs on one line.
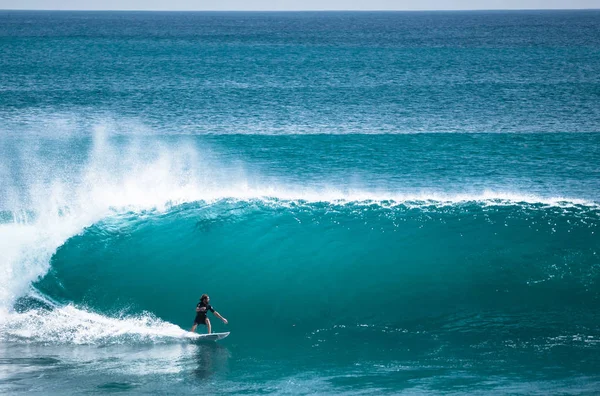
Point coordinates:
[[379, 203]]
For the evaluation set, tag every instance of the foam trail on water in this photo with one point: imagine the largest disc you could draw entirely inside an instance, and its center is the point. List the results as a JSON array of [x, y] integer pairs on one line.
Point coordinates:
[[71, 325]]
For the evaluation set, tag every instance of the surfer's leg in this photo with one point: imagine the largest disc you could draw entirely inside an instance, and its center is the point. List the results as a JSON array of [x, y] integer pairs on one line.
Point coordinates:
[[208, 325], [194, 327]]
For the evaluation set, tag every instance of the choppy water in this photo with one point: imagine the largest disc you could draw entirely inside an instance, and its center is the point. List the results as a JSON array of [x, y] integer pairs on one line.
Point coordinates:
[[291, 166]]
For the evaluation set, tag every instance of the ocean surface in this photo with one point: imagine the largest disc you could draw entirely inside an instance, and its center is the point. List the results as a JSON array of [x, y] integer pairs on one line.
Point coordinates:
[[379, 203]]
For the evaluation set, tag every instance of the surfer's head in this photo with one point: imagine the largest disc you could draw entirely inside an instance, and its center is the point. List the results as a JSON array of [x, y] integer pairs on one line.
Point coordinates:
[[204, 298]]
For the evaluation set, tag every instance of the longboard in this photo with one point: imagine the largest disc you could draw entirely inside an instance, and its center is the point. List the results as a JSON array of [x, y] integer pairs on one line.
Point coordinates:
[[211, 337]]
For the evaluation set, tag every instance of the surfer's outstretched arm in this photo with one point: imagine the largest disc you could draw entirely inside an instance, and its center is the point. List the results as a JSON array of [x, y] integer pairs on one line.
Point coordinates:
[[220, 317]]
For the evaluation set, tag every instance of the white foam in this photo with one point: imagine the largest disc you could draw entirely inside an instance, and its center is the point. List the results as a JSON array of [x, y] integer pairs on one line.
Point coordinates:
[[70, 325], [338, 196]]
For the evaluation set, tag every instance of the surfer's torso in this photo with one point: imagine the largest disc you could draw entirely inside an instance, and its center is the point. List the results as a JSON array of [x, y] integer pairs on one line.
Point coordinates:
[[202, 310]]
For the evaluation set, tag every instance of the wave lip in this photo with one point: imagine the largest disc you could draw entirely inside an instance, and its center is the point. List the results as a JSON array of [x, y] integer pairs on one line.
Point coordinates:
[[390, 198]]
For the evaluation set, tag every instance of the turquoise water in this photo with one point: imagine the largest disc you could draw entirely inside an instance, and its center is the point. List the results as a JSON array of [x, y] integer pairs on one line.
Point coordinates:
[[377, 202]]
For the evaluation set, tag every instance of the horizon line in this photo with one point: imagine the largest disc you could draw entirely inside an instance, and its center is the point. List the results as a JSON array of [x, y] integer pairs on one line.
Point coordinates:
[[300, 10]]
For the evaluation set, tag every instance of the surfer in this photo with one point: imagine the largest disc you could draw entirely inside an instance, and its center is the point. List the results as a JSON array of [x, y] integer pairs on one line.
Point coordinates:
[[201, 310]]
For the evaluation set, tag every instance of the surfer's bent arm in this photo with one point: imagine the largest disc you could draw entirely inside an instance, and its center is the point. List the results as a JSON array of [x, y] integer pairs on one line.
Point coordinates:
[[218, 315]]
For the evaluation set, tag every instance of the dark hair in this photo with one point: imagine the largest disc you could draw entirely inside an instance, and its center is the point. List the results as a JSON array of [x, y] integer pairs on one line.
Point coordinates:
[[203, 297]]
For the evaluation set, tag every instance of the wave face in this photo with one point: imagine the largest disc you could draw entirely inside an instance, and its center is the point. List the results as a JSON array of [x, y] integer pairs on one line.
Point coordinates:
[[113, 239], [284, 263]]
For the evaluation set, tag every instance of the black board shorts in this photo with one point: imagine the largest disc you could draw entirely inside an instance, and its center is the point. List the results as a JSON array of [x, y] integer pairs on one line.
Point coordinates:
[[200, 319]]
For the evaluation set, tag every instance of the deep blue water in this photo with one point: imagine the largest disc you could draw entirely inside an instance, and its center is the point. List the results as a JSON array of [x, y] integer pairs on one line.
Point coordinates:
[[378, 202], [307, 72]]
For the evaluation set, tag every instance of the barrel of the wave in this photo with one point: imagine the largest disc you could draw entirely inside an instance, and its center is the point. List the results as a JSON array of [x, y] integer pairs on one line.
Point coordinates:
[[304, 266]]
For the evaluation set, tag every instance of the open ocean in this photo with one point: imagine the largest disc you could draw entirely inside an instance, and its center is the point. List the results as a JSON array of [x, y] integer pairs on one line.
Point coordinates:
[[378, 202]]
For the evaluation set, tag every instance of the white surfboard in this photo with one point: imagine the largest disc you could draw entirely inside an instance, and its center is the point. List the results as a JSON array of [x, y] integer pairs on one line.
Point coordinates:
[[211, 337]]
